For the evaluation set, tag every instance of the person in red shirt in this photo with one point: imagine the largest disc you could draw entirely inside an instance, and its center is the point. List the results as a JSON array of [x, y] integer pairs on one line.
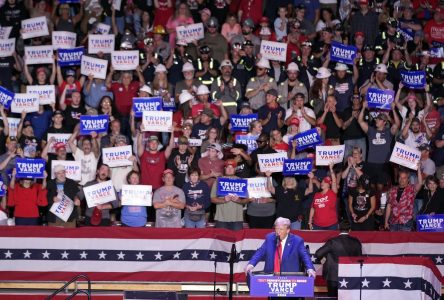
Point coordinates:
[[70, 83], [250, 9], [125, 90], [324, 211], [434, 29], [152, 161], [26, 198]]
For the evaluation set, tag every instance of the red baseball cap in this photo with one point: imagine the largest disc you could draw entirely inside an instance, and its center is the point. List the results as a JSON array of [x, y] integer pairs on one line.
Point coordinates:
[[168, 171], [359, 33], [363, 2], [230, 162], [294, 121], [59, 145], [327, 179], [264, 20]]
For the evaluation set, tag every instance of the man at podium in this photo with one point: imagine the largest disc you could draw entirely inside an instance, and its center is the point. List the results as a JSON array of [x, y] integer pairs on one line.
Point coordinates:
[[282, 252]]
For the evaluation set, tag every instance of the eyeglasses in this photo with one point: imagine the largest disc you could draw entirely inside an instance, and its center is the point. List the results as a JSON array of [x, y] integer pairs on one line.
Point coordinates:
[[260, 69]]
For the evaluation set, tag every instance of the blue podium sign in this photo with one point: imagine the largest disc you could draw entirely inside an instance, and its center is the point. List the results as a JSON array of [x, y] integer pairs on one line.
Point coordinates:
[[281, 286]]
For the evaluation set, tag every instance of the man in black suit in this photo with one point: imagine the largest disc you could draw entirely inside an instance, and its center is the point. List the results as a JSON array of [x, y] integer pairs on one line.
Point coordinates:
[[342, 245]]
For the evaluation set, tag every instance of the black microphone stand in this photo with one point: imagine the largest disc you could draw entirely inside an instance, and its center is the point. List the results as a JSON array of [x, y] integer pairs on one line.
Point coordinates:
[[278, 241], [233, 255], [214, 282], [361, 263]]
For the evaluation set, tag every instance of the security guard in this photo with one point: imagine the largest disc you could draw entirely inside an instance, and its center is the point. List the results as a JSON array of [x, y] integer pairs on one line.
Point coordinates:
[[290, 87], [391, 35], [367, 64], [227, 88], [259, 85], [206, 66], [243, 65]]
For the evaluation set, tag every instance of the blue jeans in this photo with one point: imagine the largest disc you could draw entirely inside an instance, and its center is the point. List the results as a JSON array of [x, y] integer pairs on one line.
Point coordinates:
[[349, 144], [193, 224], [402, 227], [331, 227], [230, 225]]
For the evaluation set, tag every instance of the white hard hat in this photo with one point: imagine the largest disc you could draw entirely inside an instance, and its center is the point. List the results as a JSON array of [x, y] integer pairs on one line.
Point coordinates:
[[323, 73], [341, 67], [146, 88], [160, 68], [381, 68], [226, 63], [187, 67], [263, 63], [293, 67], [202, 90], [185, 96]]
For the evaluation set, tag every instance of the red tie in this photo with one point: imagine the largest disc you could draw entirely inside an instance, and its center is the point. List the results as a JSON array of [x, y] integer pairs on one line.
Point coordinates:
[[277, 259]]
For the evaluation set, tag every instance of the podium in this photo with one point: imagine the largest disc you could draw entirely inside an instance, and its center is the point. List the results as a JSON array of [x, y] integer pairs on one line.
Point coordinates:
[[288, 284]]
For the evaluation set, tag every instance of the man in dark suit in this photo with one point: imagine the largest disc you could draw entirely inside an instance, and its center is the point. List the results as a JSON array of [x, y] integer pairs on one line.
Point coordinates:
[[282, 251], [342, 245]]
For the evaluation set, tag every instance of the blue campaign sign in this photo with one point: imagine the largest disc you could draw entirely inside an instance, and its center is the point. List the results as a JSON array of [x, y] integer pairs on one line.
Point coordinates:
[[281, 286], [89, 124], [407, 33], [3, 188], [413, 79], [297, 166], [380, 99], [232, 186], [70, 57], [69, 1], [307, 139], [6, 97], [169, 105], [242, 122], [248, 140], [30, 167], [430, 223], [146, 104], [343, 53]]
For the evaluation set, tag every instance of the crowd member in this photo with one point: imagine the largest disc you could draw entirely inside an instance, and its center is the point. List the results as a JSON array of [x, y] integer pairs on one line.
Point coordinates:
[[197, 196], [132, 215], [168, 200], [362, 204]]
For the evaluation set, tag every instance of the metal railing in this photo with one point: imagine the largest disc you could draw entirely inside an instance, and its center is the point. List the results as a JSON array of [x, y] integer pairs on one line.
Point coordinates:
[[76, 291]]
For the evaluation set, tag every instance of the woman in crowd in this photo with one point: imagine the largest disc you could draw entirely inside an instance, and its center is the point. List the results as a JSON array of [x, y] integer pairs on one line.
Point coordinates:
[[362, 204], [182, 17], [432, 196], [197, 196], [27, 198], [132, 215]]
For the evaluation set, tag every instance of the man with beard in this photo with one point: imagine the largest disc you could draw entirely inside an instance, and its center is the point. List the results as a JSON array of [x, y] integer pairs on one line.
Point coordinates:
[[247, 35], [304, 114], [206, 66], [271, 114], [412, 135], [180, 161], [227, 88], [216, 41], [190, 83], [308, 65], [291, 87], [367, 64], [259, 85], [99, 215]]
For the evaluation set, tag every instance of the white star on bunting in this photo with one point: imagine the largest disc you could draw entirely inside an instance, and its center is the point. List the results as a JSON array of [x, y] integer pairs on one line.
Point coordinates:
[[386, 283], [8, 254], [365, 283], [65, 255], [46, 254], [158, 256], [139, 256], [121, 255], [408, 284], [27, 254], [194, 255], [343, 283], [102, 255]]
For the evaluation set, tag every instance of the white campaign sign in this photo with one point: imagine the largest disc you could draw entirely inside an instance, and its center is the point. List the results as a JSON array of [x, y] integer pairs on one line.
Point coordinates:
[[125, 60], [257, 187], [63, 40], [273, 162], [63, 208], [34, 27], [7, 47], [191, 142], [73, 169], [117, 4], [329, 154], [100, 43], [95, 66], [274, 50], [136, 195], [5, 32], [190, 33], [38, 55], [405, 156], [99, 193], [160, 121], [46, 93], [103, 28], [117, 156], [13, 126], [25, 102], [59, 138]]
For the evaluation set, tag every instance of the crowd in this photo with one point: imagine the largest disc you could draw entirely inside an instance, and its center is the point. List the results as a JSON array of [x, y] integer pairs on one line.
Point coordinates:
[[207, 81]]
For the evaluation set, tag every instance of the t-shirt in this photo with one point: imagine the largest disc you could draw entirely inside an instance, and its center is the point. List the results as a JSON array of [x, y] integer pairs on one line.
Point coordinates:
[[353, 131], [289, 203], [152, 166], [124, 97], [200, 129], [168, 216], [273, 122], [88, 165], [229, 211], [180, 168], [325, 209], [379, 143], [361, 202], [72, 116]]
